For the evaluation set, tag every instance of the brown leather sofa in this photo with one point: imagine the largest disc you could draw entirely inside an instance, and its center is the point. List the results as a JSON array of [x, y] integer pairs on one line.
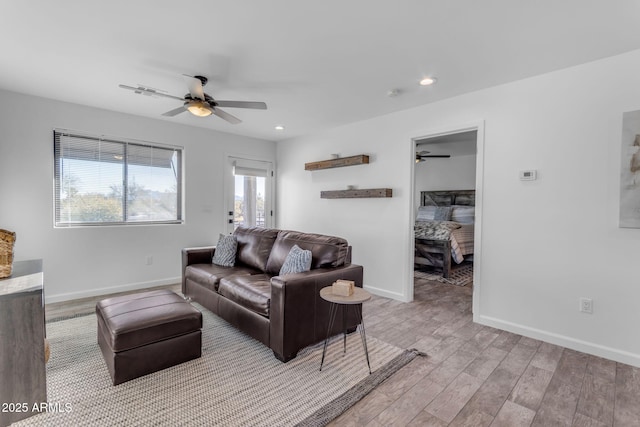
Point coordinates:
[[285, 313]]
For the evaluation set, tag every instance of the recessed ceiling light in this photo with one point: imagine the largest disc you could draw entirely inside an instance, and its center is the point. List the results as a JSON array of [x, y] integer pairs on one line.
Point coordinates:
[[279, 127], [426, 81]]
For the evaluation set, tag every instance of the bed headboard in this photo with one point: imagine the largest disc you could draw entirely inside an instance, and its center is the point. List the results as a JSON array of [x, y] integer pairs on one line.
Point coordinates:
[[448, 198]]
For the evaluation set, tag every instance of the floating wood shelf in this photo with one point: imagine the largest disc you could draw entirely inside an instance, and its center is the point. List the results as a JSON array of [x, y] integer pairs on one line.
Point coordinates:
[[360, 159], [356, 194]]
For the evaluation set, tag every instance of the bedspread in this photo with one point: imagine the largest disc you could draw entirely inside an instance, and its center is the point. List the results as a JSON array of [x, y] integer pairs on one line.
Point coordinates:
[[460, 236], [462, 242]]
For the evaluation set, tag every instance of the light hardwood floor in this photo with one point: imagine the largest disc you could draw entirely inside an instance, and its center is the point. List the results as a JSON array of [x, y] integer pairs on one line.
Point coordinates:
[[475, 375], [479, 376]]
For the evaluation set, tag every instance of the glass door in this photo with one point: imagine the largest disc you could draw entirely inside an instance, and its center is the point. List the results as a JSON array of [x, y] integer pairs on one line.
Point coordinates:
[[249, 197]]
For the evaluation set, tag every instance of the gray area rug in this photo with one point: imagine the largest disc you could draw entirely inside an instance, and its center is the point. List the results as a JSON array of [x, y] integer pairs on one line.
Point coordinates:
[[461, 275], [236, 382]]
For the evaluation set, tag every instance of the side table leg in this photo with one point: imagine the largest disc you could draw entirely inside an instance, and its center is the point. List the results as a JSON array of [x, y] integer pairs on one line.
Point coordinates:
[[363, 336], [333, 309], [344, 329]]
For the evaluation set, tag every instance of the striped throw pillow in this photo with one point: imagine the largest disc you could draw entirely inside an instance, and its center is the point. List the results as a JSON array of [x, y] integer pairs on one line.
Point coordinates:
[[225, 254], [297, 261]]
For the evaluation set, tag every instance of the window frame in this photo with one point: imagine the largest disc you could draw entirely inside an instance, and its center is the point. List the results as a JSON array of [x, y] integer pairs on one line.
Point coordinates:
[[126, 142]]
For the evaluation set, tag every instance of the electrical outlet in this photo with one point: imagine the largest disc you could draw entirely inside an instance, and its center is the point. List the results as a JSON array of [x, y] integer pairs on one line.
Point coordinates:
[[586, 305], [149, 259]]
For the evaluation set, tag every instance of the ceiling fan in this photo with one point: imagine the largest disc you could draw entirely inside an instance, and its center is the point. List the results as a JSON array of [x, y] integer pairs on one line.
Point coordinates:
[[422, 155], [197, 102]]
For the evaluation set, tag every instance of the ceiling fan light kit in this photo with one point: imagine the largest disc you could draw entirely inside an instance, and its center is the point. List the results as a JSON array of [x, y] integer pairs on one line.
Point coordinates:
[[199, 103], [199, 108]]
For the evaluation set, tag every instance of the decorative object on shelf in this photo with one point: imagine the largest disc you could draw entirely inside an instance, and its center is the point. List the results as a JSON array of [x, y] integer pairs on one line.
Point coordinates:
[[337, 162], [7, 240], [357, 194]]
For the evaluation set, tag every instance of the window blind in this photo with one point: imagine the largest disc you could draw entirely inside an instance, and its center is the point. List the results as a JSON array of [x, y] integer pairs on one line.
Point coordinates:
[[244, 167], [103, 181]]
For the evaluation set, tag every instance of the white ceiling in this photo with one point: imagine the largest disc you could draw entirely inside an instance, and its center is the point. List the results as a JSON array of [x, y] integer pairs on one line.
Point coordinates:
[[316, 64]]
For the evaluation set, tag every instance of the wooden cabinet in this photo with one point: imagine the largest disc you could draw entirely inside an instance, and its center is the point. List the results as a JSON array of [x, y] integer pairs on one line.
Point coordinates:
[[22, 333]]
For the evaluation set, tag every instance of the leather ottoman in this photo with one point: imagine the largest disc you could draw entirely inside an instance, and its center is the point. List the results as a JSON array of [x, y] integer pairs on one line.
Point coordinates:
[[146, 332]]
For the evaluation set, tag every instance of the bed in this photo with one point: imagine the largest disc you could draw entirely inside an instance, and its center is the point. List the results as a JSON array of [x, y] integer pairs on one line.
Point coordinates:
[[444, 229]]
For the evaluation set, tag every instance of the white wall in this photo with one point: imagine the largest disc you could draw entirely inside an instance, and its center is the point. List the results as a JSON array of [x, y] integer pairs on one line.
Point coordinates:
[[544, 243], [455, 173], [79, 262]]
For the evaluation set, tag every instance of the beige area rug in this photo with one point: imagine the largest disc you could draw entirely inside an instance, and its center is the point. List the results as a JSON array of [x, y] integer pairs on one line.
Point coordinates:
[[236, 382], [461, 275]]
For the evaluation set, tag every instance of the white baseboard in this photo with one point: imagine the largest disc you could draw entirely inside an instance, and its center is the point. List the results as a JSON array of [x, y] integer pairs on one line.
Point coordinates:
[[385, 293], [562, 340], [110, 290]]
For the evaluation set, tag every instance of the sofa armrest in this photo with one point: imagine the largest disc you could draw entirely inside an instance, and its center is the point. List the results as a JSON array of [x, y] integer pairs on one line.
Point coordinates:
[[201, 255], [298, 316]]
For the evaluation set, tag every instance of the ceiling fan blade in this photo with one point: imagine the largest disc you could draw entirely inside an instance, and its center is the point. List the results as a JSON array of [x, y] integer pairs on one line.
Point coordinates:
[[195, 87], [434, 156], [175, 112], [242, 104], [226, 116], [148, 91]]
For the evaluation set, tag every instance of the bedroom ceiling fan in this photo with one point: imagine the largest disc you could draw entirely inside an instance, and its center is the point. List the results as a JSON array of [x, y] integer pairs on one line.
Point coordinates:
[[197, 102], [422, 155]]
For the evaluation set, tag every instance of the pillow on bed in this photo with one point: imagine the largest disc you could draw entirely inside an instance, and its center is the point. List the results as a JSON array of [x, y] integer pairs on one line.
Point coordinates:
[[430, 213], [443, 213], [426, 213], [463, 214]]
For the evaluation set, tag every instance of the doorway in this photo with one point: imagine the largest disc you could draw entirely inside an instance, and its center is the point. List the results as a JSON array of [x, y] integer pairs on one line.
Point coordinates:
[[249, 194], [448, 164]]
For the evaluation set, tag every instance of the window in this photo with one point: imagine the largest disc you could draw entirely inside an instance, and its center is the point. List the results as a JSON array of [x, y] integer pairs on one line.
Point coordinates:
[[104, 181], [249, 193]]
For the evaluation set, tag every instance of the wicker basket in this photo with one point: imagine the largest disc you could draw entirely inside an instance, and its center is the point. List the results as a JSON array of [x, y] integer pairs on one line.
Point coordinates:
[[7, 239]]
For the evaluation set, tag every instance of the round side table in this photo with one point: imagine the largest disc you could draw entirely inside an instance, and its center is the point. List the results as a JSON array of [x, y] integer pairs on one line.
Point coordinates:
[[358, 297]]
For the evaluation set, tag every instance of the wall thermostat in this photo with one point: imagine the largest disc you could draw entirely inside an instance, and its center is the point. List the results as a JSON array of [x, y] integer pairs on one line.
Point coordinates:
[[528, 175]]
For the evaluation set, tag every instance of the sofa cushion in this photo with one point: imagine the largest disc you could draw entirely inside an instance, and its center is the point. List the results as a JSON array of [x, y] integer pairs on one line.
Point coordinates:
[[254, 246], [209, 275], [327, 251], [252, 292]]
